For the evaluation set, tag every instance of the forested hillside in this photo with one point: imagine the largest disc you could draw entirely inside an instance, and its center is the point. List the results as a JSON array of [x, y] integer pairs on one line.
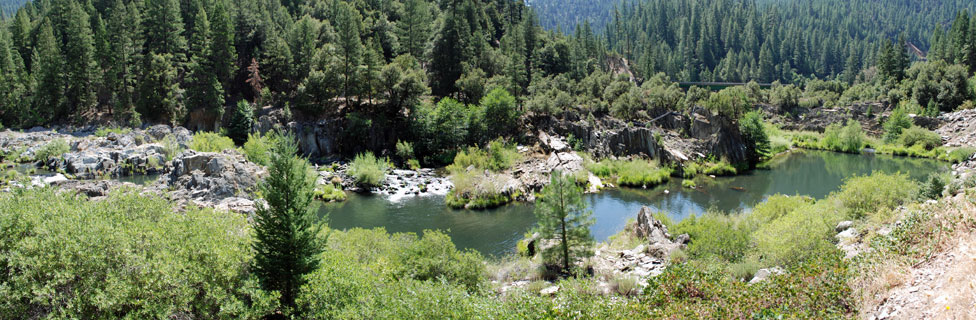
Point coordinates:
[[8, 7], [566, 15], [733, 40]]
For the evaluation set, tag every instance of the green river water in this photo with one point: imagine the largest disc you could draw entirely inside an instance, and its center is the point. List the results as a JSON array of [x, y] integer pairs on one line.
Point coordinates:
[[495, 232]]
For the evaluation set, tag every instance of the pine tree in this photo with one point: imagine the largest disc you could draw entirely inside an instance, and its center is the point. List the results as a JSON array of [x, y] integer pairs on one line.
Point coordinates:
[[20, 33], [350, 46], [80, 67], [48, 84], [204, 90], [159, 90], [163, 27], [223, 56], [123, 57], [286, 244], [373, 62], [414, 28], [241, 122], [563, 217]]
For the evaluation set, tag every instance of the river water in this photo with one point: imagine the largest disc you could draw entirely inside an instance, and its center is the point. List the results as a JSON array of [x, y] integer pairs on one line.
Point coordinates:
[[495, 232]]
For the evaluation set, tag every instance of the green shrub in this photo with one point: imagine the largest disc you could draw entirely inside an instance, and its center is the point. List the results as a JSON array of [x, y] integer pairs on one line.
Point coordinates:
[[54, 149], [920, 136], [959, 154], [798, 235], [368, 171], [104, 131], [775, 207], [497, 157], [127, 256], [625, 285], [434, 257], [330, 192], [257, 148], [849, 138], [688, 183], [754, 134], [896, 123], [714, 235], [815, 289], [210, 142], [404, 151], [170, 147], [864, 195], [721, 168], [935, 184]]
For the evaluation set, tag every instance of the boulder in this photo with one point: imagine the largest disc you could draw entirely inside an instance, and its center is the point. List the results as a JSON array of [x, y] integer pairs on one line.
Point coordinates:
[[843, 225], [651, 229], [763, 274], [211, 176]]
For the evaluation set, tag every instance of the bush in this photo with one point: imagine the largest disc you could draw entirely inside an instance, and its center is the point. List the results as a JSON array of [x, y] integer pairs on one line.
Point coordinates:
[[800, 234], [625, 285], [641, 173], [920, 136], [330, 192], [753, 130], [54, 149], [404, 151], [368, 171], [896, 123], [849, 138], [499, 156], [714, 235], [105, 131], [688, 183], [434, 257], [210, 142], [721, 168], [960, 154], [935, 185], [127, 256], [257, 148], [864, 195]]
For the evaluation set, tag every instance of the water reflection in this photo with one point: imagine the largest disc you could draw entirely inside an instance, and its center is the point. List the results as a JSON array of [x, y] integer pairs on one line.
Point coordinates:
[[494, 232]]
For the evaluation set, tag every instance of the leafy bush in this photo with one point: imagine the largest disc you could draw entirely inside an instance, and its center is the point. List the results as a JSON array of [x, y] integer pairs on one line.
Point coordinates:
[[775, 207], [210, 142], [641, 173], [257, 148], [798, 235], [753, 130], [127, 256], [330, 192], [920, 136], [849, 138], [896, 123], [625, 285], [104, 131], [721, 168], [688, 183], [54, 149], [959, 154], [815, 289], [497, 157], [864, 195], [404, 151], [935, 184], [434, 257], [714, 235], [368, 171]]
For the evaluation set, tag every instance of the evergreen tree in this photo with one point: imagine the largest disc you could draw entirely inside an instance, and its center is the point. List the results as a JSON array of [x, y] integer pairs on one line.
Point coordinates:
[[563, 217], [20, 33], [80, 67], [123, 57], [222, 52], [373, 61], [241, 122], [159, 90], [204, 90], [286, 244], [350, 46], [48, 84], [414, 27], [163, 27]]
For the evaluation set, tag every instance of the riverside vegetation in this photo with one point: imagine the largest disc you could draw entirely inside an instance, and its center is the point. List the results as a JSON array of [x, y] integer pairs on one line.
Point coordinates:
[[467, 84]]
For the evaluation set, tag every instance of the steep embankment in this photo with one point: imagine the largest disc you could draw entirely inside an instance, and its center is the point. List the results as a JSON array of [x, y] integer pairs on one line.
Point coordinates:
[[923, 265]]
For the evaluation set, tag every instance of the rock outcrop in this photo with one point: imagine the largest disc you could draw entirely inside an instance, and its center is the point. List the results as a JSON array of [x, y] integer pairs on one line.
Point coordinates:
[[211, 177], [958, 128]]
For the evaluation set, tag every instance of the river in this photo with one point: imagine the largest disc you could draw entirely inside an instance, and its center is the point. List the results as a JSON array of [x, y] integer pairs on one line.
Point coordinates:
[[495, 232]]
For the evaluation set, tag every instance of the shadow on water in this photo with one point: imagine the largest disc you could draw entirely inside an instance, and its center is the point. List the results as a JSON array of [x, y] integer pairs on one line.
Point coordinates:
[[495, 232]]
